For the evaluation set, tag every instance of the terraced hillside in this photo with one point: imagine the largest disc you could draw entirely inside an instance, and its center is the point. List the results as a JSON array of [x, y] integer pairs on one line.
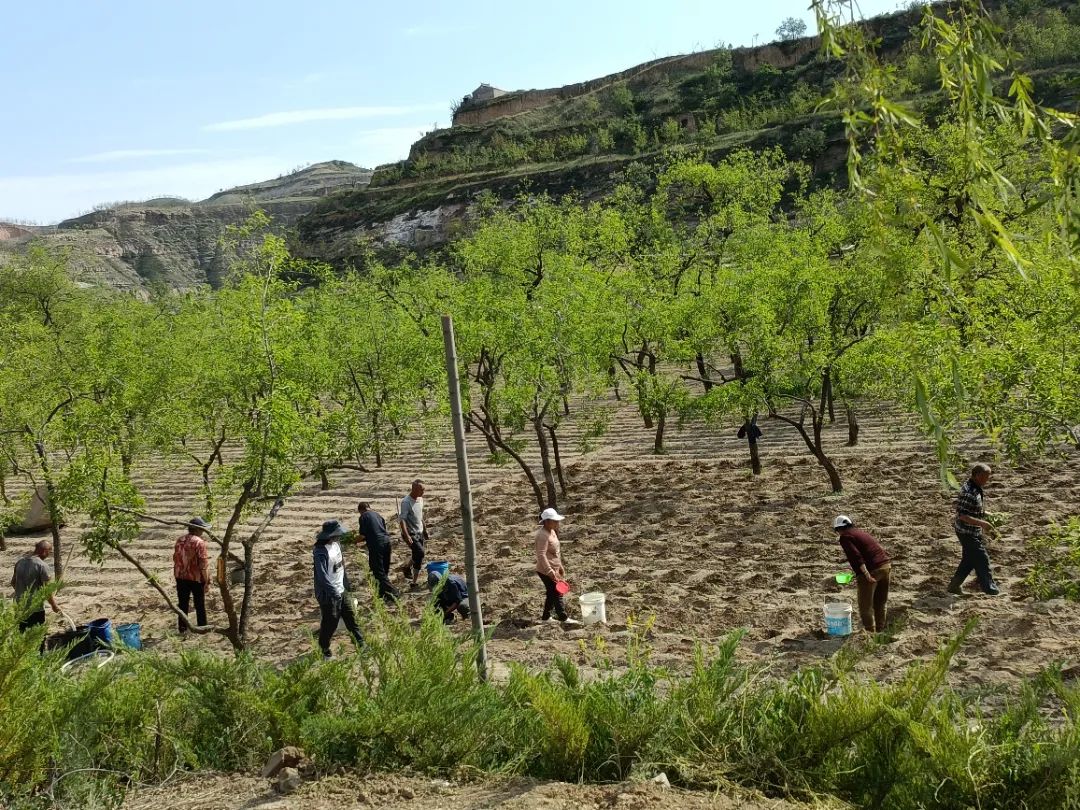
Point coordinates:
[[688, 542]]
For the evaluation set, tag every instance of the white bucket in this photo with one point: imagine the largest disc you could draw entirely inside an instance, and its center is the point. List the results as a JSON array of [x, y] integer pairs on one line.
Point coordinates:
[[838, 618], [593, 608]]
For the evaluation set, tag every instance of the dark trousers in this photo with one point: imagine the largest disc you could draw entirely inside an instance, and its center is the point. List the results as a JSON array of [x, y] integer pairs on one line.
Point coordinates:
[[553, 602], [873, 597], [379, 562], [331, 611], [462, 609], [187, 590], [412, 568], [975, 558], [33, 620]]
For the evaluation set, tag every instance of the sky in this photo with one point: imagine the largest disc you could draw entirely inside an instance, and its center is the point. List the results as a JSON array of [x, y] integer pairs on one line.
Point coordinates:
[[128, 99]]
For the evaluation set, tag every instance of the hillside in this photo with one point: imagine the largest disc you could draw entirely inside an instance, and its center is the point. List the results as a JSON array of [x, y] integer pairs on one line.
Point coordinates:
[[173, 242], [587, 137], [582, 138]]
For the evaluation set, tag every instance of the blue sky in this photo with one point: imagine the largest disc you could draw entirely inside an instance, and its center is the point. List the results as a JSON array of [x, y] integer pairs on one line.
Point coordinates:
[[126, 100]]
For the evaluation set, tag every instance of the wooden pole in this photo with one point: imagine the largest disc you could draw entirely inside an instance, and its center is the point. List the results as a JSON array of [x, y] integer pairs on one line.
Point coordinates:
[[465, 492]]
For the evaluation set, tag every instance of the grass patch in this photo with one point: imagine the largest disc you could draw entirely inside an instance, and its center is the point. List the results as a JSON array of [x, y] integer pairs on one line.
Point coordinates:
[[413, 700]]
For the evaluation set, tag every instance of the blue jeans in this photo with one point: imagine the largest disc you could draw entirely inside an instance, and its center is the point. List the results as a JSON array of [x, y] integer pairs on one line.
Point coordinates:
[[975, 558]]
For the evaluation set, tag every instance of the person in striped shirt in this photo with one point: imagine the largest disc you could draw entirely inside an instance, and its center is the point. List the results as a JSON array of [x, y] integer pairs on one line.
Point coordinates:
[[970, 524]]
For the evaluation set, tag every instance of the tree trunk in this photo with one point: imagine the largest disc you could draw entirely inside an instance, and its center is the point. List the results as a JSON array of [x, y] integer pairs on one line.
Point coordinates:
[[852, 427], [658, 439], [814, 445], [54, 510], [324, 481], [501, 445], [249, 587], [545, 463], [558, 458], [755, 459], [827, 395], [565, 405], [227, 604], [375, 433], [703, 373]]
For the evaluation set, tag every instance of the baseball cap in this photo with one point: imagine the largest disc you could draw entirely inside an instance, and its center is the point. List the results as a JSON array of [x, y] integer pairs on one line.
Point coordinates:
[[841, 522], [550, 514]]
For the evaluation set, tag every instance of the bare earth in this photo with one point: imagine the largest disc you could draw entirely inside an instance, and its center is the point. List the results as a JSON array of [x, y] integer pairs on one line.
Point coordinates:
[[688, 540], [390, 792]]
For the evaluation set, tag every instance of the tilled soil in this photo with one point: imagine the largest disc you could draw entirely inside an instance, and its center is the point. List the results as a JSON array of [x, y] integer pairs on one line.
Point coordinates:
[[392, 792], [688, 543]]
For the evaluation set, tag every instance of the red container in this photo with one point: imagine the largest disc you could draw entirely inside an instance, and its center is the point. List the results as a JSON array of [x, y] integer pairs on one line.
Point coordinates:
[[562, 587]]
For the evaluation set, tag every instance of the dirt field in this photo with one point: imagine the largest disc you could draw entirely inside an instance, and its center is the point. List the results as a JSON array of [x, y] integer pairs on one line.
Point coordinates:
[[689, 540], [212, 792]]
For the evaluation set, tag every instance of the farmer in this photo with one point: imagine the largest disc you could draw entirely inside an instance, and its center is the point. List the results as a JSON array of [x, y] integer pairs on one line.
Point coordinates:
[[331, 582], [32, 574], [191, 570], [413, 530], [871, 565], [454, 596], [377, 539], [549, 566], [970, 524]]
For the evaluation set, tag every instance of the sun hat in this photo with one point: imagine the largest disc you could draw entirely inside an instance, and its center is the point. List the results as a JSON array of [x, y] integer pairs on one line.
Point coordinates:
[[550, 514], [330, 530], [842, 522], [198, 523]]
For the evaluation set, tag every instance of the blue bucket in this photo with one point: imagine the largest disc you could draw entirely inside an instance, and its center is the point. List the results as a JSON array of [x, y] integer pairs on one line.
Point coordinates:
[[130, 635], [439, 569], [100, 632]]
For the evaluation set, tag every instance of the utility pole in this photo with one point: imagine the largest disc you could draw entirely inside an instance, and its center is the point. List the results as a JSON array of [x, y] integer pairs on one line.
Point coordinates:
[[465, 493]]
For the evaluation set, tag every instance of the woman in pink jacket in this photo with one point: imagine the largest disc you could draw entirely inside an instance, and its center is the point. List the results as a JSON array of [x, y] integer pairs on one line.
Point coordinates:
[[549, 566]]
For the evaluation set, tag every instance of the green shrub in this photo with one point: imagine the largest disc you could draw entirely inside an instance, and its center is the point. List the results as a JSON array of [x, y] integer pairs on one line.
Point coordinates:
[[1056, 571]]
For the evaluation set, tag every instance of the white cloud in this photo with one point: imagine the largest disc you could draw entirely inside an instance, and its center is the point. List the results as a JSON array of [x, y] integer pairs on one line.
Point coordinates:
[[133, 154], [290, 117], [49, 198]]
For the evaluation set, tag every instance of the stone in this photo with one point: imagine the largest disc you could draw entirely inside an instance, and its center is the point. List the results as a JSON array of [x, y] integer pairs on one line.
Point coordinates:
[[661, 780], [440, 784], [288, 757], [288, 780], [407, 793], [504, 552]]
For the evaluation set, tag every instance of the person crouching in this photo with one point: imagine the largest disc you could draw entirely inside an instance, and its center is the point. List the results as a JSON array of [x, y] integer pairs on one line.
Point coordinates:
[[453, 596]]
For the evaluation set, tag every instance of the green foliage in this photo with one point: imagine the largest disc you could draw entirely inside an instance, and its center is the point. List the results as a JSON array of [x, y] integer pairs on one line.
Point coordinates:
[[1056, 569], [413, 700]]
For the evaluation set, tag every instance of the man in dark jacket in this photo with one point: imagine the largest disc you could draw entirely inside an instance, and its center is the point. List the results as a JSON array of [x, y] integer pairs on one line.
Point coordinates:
[[453, 596], [331, 583], [872, 570], [970, 524], [377, 539]]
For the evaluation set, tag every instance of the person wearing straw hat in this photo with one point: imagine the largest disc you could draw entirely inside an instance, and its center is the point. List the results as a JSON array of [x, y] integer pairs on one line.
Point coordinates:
[[32, 574], [191, 571], [549, 565], [331, 583], [872, 568]]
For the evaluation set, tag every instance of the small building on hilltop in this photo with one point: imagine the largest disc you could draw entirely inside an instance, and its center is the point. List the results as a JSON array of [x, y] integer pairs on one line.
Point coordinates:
[[485, 92]]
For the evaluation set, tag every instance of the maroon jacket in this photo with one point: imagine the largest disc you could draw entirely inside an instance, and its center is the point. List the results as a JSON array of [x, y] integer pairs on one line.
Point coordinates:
[[862, 549]]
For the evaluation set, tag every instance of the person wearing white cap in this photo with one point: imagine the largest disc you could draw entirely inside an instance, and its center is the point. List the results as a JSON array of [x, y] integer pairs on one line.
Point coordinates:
[[549, 565], [871, 565]]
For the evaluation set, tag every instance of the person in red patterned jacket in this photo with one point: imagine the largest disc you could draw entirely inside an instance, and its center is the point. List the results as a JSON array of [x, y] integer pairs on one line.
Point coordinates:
[[192, 572]]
